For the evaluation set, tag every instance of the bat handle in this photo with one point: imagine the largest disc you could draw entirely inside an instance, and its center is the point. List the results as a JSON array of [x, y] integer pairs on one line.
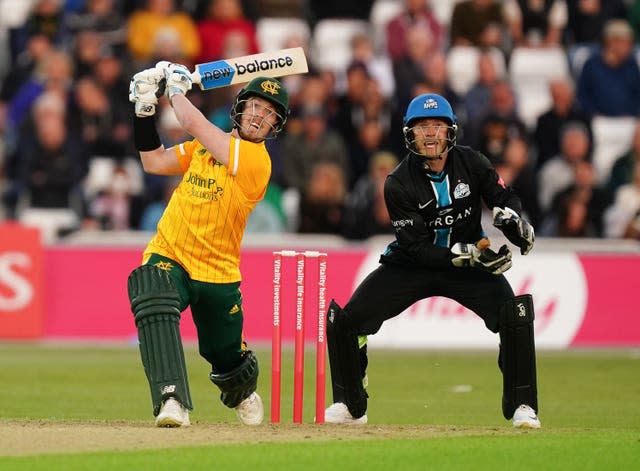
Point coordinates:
[[196, 78]]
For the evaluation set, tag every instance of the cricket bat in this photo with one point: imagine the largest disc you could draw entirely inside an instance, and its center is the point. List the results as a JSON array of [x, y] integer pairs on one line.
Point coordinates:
[[243, 69]]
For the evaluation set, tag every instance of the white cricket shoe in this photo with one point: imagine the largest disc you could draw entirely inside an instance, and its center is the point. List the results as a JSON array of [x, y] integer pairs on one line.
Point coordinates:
[[337, 413], [251, 411], [525, 417], [173, 414]]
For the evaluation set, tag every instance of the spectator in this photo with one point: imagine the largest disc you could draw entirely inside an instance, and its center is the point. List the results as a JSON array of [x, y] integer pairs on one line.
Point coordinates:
[[24, 66], [609, 83], [159, 31], [53, 161], [622, 169], [436, 75], [323, 9], [582, 198], [477, 100], [225, 19], [558, 173], [372, 123], [366, 213], [632, 230], [537, 23], [322, 202], [102, 127], [112, 208], [87, 51], [564, 109], [477, 23], [502, 112], [352, 101], [379, 66], [46, 18], [634, 16], [516, 170], [316, 143], [571, 219], [416, 13], [587, 19], [103, 18], [624, 211], [53, 73], [410, 68]]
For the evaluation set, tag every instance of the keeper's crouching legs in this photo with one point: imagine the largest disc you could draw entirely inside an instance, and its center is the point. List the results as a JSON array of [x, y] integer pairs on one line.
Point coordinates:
[[517, 358], [155, 304], [346, 361]]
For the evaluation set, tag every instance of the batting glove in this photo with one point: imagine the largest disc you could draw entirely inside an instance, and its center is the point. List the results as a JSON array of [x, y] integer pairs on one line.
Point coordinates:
[[144, 90], [468, 255], [517, 230], [177, 76]]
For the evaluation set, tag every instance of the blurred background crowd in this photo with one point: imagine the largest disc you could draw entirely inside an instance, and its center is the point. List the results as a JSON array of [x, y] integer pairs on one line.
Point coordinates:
[[548, 90]]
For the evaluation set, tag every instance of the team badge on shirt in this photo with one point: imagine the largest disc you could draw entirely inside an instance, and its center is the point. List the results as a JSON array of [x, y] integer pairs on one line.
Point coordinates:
[[462, 191]]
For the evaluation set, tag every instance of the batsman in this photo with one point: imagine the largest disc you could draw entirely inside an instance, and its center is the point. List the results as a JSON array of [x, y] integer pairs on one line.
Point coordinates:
[[194, 257], [435, 198]]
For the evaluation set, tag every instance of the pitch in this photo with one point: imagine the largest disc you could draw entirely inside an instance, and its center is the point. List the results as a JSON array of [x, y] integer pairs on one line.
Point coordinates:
[[89, 406]]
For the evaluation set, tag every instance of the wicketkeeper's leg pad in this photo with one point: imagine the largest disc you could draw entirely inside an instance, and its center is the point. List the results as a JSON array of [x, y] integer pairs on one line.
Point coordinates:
[[517, 358], [155, 304], [346, 363], [239, 383]]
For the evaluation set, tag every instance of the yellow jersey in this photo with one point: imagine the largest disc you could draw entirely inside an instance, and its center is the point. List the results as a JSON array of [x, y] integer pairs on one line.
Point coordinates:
[[203, 224]]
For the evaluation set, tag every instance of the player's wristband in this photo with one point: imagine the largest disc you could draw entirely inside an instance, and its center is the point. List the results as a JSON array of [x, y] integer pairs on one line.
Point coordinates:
[[145, 135]]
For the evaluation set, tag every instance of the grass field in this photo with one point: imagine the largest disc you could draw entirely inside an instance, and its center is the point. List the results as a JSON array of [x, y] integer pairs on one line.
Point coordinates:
[[80, 407]]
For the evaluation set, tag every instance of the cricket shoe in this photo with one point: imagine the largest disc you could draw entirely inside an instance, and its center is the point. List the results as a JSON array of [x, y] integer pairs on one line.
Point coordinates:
[[173, 414], [525, 417], [337, 413], [251, 411]]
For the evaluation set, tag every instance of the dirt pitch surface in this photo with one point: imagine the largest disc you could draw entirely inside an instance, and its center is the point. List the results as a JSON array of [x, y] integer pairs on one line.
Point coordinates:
[[21, 438]]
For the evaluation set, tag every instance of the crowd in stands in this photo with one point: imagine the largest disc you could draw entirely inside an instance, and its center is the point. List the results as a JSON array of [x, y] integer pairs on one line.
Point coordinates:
[[564, 135]]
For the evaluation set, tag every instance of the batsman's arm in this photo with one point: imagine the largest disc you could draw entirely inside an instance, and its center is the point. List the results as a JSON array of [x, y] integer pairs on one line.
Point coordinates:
[[195, 123], [154, 157]]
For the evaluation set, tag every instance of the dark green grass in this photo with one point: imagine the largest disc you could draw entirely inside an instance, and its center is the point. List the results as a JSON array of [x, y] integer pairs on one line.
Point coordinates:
[[588, 399], [603, 450]]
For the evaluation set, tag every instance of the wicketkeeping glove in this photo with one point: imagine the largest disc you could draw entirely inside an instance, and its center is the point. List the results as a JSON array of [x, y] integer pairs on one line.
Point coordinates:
[[517, 230], [177, 76], [468, 255], [144, 90]]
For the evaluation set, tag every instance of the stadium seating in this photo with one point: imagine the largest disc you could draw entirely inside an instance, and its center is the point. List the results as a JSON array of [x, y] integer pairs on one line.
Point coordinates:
[[443, 9], [611, 139], [462, 67], [530, 71], [273, 33], [331, 42], [382, 12]]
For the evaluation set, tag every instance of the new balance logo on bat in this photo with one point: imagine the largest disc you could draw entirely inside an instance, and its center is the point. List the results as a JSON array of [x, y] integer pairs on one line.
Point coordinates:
[[261, 66]]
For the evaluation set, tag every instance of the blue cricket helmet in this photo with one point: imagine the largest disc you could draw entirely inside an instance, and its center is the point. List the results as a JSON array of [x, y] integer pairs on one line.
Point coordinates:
[[429, 105]]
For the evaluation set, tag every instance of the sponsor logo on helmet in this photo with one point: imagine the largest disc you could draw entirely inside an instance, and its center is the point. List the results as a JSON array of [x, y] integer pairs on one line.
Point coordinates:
[[430, 104], [462, 190], [271, 87]]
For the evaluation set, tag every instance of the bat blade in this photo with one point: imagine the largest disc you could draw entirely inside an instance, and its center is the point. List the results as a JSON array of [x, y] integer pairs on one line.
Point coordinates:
[[243, 69]]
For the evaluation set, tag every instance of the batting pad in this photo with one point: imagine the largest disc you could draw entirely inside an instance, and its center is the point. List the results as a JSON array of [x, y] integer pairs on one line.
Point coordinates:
[[155, 304]]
